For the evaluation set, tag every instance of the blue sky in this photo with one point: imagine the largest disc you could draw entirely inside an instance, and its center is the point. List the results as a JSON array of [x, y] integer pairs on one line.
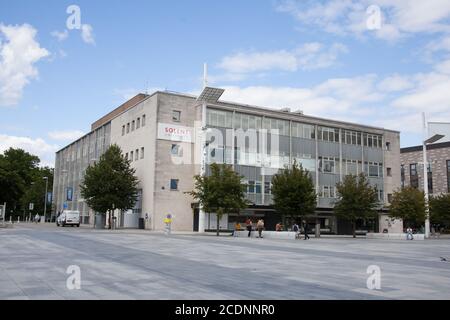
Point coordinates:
[[328, 58]]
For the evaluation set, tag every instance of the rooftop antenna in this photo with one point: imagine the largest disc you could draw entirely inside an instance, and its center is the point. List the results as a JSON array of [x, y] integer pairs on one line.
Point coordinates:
[[205, 75]]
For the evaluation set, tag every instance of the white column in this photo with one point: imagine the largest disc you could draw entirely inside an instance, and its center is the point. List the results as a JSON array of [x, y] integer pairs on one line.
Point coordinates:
[[201, 213], [425, 178]]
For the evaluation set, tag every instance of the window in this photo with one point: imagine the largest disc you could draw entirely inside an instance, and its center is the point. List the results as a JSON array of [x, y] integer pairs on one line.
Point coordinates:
[[267, 187], [304, 131], [351, 167], [133, 124], [142, 153], [123, 130], [175, 149], [223, 119], [430, 178], [448, 175], [413, 178], [143, 120], [131, 156], [380, 195], [251, 187], [375, 169], [174, 184], [176, 115], [137, 155], [388, 146], [402, 175], [328, 134], [128, 127], [373, 140], [389, 172], [126, 156], [328, 192], [138, 123], [327, 164]]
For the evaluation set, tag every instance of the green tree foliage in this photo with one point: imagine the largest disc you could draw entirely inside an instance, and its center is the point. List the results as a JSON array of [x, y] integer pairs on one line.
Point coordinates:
[[440, 209], [408, 204], [221, 192], [357, 199], [293, 192], [17, 171], [36, 192], [110, 183]]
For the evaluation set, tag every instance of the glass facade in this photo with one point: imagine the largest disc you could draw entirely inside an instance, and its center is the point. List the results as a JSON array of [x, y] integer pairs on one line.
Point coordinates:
[[259, 146]]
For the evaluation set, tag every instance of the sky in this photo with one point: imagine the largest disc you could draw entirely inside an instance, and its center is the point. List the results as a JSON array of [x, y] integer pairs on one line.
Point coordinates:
[[379, 63]]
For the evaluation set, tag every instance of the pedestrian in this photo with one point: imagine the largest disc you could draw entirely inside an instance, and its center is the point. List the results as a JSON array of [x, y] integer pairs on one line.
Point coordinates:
[[260, 227], [36, 218], [296, 229], [237, 227], [305, 229], [279, 227], [249, 226], [409, 234]]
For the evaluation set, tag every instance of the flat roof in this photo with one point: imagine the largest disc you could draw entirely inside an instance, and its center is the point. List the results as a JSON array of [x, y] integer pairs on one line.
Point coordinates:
[[439, 145], [129, 104]]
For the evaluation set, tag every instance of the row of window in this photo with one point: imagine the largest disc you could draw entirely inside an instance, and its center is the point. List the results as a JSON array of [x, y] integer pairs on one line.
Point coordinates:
[[224, 119], [329, 165], [135, 155], [133, 125]]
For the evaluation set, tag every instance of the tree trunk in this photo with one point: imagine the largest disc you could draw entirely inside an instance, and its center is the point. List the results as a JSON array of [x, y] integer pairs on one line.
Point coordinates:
[[354, 229], [110, 220], [218, 225]]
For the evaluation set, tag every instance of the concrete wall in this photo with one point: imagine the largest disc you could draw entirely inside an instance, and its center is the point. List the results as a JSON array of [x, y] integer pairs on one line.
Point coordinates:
[[391, 160], [144, 137], [176, 203]]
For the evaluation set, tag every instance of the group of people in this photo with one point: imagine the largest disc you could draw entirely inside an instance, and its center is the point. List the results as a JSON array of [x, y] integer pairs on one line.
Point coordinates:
[[278, 227]]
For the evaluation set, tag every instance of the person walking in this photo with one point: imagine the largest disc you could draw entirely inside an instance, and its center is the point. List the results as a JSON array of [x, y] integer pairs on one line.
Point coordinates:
[[305, 229], [260, 227], [37, 218], [249, 226]]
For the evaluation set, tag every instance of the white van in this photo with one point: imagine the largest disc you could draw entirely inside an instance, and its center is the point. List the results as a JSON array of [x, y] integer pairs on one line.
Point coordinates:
[[68, 218]]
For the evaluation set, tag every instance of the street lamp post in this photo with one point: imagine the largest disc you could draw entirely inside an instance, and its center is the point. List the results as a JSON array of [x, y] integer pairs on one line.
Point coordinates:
[[427, 141], [45, 197]]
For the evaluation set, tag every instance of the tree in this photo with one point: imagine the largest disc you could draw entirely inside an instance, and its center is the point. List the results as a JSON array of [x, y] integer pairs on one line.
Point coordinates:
[[221, 192], [357, 199], [35, 193], [293, 192], [440, 209], [17, 171], [110, 184], [408, 204]]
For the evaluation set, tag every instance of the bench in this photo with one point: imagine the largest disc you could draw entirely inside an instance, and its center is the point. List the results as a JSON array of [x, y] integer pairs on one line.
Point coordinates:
[[394, 236]]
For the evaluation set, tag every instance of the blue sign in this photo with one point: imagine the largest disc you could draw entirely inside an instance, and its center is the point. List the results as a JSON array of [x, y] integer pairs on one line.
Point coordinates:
[[69, 194], [65, 206]]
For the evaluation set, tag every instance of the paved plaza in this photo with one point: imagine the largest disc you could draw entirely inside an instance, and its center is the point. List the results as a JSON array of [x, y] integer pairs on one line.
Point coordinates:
[[138, 264]]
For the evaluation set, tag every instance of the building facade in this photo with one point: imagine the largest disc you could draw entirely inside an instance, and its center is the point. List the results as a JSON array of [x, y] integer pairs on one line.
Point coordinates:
[[412, 171], [163, 136]]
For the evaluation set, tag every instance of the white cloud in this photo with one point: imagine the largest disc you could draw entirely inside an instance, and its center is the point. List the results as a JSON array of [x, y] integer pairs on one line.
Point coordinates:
[[87, 34], [60, 35], [38, 146], [18, 54], [308, 56], [399, 17], [68, 135], [395, 83]]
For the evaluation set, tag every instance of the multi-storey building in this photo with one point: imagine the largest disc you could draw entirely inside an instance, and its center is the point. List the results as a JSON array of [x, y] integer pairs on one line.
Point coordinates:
[[159, 134], [438, 167]]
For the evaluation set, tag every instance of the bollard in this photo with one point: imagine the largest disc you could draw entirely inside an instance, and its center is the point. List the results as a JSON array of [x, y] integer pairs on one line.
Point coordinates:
[[10, 219], [18, 219]]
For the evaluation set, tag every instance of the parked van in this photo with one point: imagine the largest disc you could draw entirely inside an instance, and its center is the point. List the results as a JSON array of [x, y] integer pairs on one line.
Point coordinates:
[[68, 218]]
